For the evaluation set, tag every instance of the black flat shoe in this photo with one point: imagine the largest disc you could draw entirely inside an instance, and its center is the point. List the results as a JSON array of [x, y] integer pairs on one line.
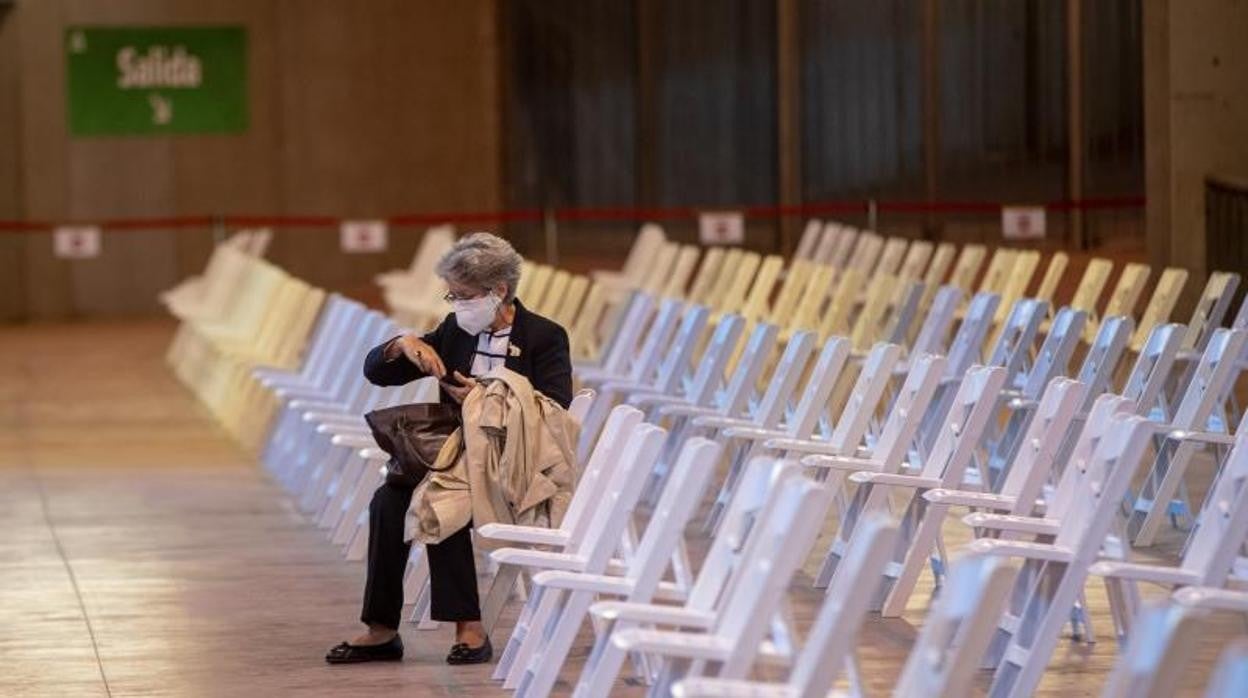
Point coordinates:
[[345, 653], [461, 653]]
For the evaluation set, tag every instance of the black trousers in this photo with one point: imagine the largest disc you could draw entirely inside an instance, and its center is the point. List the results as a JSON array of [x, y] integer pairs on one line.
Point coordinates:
[[452, 568]]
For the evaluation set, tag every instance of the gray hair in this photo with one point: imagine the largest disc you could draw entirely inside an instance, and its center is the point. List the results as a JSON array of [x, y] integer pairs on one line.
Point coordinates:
[[482, 260]]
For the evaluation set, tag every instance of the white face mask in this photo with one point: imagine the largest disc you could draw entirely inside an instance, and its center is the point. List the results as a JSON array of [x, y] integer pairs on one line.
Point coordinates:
[[474, 315]]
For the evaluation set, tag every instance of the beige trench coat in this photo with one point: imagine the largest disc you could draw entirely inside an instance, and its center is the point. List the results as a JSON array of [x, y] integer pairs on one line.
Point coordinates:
[[513, 461]]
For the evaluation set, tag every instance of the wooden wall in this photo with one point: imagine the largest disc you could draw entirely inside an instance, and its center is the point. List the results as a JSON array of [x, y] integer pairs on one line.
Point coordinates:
[[355, 109]]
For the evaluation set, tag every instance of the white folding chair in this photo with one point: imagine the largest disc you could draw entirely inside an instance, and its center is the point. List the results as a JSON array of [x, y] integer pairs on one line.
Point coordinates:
[[829, 648], [729, 637], [1053, 574]]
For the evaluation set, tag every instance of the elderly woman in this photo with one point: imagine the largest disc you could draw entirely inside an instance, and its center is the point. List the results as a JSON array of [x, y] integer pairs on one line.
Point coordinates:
[[488, 328]]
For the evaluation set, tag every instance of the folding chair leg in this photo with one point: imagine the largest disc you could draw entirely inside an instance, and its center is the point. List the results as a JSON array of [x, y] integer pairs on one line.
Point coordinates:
[[500, 591]]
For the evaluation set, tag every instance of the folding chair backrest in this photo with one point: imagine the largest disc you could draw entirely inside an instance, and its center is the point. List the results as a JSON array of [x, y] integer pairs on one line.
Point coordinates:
[[1017, 278], [1040, 445], [733, 296], [868, 389], [966, 267], [1210, 309], [785, 537], [866, 328], [764, 283], [1106, 476], [822, 252], [891, 256], [1101, 361], [1231, 674], [902, 311], [645, 246], [1103, 411], [945, 658], [784, 378], [682, 269], [679, 353], [708, 272], [791, 289], [805, 315], [810, 238], [1222, 524], [1152, 367], [658, 338], [1053, 358], [906, 413], [623, 485], [1126, 293], [760, 491], [710, 366], [660, 267], [831, 640], [727, 275], [623, 343], [968, 342], [553, 293], [565, 311], [938, 269], [1052, 277], [916, 260], [1162, 640], [1160, 305], [602, 461], [758, 348], [936, 322], [866, 252], [835, 320], [1013, 345], [1091, 284], [846, 243], [998, 271], [965, 421], [814, 397], [1212, 379], [665, 529]]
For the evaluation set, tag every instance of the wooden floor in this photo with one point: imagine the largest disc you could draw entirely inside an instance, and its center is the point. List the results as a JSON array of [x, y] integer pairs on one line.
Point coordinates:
[[142, 554]]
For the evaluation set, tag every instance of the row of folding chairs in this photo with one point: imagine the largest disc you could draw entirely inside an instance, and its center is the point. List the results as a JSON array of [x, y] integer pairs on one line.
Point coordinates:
[[971, 420], [1077, 524]]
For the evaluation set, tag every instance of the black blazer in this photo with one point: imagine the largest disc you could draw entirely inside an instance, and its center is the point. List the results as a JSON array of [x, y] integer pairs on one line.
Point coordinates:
[[543, 357]]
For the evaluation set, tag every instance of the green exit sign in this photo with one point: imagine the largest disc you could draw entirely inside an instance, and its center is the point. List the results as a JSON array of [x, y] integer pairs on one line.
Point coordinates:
[[156, 80]]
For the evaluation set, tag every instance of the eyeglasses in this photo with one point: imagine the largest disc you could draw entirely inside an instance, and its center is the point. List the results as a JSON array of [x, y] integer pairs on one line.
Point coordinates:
[[452, 297]]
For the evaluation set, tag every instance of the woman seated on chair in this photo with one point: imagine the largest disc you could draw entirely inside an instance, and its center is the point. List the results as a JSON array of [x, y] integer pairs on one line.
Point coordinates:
[[488, 328]]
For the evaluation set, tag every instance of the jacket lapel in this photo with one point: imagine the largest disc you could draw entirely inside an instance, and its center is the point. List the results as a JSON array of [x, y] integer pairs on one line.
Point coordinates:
[[516, 356]]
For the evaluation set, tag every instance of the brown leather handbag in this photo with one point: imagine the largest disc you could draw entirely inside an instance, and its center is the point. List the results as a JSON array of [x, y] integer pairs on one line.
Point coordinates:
[[412, 435]]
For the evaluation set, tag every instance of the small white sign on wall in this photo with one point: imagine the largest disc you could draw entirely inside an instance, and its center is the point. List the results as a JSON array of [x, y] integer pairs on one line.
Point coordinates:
[[1022, 222], [76, 241], [721, 228], [364, 236]]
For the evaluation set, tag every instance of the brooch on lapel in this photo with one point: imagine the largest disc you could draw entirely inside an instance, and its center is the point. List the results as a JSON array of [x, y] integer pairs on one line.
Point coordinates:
[[513, 350]]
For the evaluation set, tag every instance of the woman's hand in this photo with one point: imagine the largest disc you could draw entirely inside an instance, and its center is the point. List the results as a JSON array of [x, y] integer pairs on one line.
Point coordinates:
[[420, 353], [459, 391]]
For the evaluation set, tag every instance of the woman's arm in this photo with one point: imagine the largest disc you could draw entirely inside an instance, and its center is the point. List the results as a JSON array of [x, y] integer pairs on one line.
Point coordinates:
[[552, 368], [386, 364]]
